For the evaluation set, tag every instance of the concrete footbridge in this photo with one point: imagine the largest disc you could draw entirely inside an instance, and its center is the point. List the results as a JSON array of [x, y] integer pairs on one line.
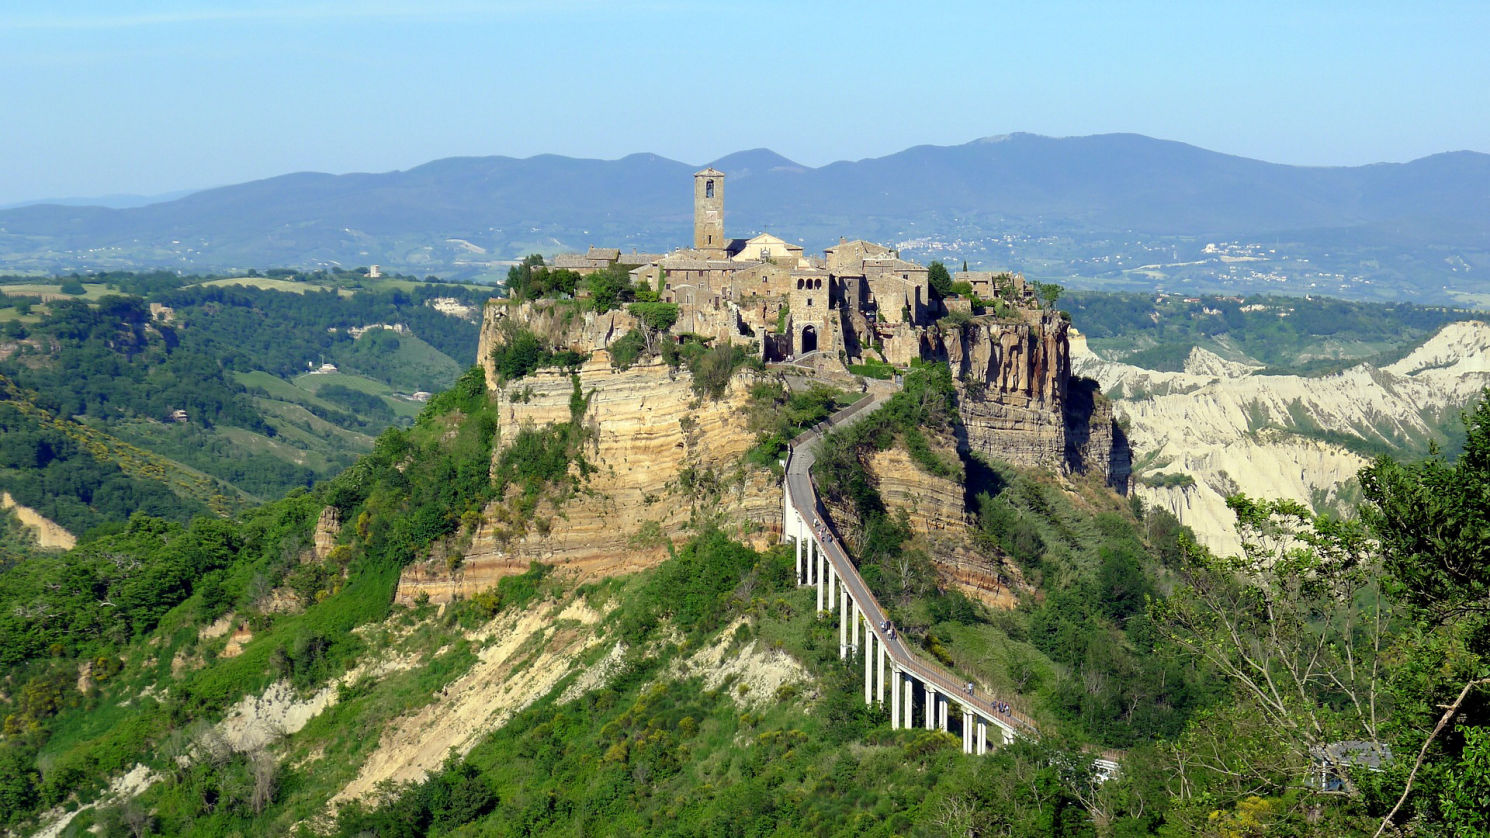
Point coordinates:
[[862, 624]]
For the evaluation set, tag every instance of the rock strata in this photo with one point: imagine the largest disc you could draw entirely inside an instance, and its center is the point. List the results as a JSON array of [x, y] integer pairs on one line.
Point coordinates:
[[661, 456]]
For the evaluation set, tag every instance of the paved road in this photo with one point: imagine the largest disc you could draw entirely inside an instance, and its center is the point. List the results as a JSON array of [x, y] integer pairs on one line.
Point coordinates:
[[803, 496]]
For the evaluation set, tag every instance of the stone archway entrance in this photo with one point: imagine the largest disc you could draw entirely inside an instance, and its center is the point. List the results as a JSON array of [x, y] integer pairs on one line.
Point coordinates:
[[809, 340]]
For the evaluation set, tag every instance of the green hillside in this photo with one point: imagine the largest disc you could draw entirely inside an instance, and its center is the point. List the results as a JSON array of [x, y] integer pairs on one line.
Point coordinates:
[[207, 376], [1120, 645], [1286, 334]]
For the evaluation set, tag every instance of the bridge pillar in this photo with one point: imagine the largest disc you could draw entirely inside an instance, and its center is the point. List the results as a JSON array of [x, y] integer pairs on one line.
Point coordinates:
[[1008, 735], [817, 567], [853, 635], [943, 707], [911, 686], [982, 737], [844, 618], [884, 653], [930, 706], [868, 669], [894, 698], [967, 731], [800, 577]]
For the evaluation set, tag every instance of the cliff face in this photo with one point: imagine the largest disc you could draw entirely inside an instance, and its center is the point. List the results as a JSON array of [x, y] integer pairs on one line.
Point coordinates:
[[936, 510], [660, 455], [1012, 388], [1095, 444], [560, 323], [1016, 398]]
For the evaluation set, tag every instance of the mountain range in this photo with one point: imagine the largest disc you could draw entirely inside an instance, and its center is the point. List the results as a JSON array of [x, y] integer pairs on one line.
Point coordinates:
[[1021, 200]]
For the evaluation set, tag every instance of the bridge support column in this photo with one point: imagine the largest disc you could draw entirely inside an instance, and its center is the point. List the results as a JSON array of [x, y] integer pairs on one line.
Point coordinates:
[[982, 737], [859, 624], [909, 687], [943, 707], [884, 653], [930, 706], [817, 567], [894, 698], [1008, 735], [868, 669], [801, 577], [967, 731], [845, 616]]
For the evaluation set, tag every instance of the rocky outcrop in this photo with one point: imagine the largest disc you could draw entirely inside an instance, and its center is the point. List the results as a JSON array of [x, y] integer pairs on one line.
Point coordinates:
[[1011, 387], [1095, 444], [561, 323], [1014, 396], [328, 527], [661, 456], [937, 511]]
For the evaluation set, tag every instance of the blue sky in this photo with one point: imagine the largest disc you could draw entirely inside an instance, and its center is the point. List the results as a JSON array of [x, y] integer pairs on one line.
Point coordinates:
[[149, 97]]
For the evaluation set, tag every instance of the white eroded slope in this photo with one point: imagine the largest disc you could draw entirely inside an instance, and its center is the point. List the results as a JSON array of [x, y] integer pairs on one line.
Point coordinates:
[[1233, 430]]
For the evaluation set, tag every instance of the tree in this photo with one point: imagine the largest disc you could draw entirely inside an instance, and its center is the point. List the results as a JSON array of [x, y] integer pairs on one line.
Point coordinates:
[[1432, 521], [940, 279], [655, 318], [1048, 292], [609, 288], [1297, 626]]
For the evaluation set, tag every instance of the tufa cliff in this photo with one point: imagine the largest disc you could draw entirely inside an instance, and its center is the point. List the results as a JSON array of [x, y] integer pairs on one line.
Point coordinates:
[[662, 457], [1018, 401]]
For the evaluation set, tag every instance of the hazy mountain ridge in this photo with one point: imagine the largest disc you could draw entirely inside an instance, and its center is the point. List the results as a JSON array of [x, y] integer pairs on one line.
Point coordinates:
[[1020, 184]]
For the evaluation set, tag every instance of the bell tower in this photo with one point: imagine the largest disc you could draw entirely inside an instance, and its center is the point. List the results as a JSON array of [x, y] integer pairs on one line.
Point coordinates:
[[708, 210]]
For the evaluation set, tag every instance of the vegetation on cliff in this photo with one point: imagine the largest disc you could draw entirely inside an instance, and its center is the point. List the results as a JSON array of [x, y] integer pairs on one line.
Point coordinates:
[[107, 606]]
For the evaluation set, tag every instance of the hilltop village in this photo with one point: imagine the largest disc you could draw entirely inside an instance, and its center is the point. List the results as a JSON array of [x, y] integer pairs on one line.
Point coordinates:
[[861, 302], [858, 311], [857, 301]]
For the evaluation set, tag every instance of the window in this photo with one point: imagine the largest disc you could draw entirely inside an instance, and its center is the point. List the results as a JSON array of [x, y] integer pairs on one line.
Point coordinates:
[[809, 301], [709, 189]]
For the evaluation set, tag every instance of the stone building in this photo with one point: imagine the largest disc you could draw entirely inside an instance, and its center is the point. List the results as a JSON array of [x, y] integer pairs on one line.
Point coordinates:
[[766, 292], [861, 301]]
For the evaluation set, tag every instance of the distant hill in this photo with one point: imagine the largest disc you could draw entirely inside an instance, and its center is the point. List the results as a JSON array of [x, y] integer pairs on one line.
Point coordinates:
[[173, 396], [1083, 206]]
